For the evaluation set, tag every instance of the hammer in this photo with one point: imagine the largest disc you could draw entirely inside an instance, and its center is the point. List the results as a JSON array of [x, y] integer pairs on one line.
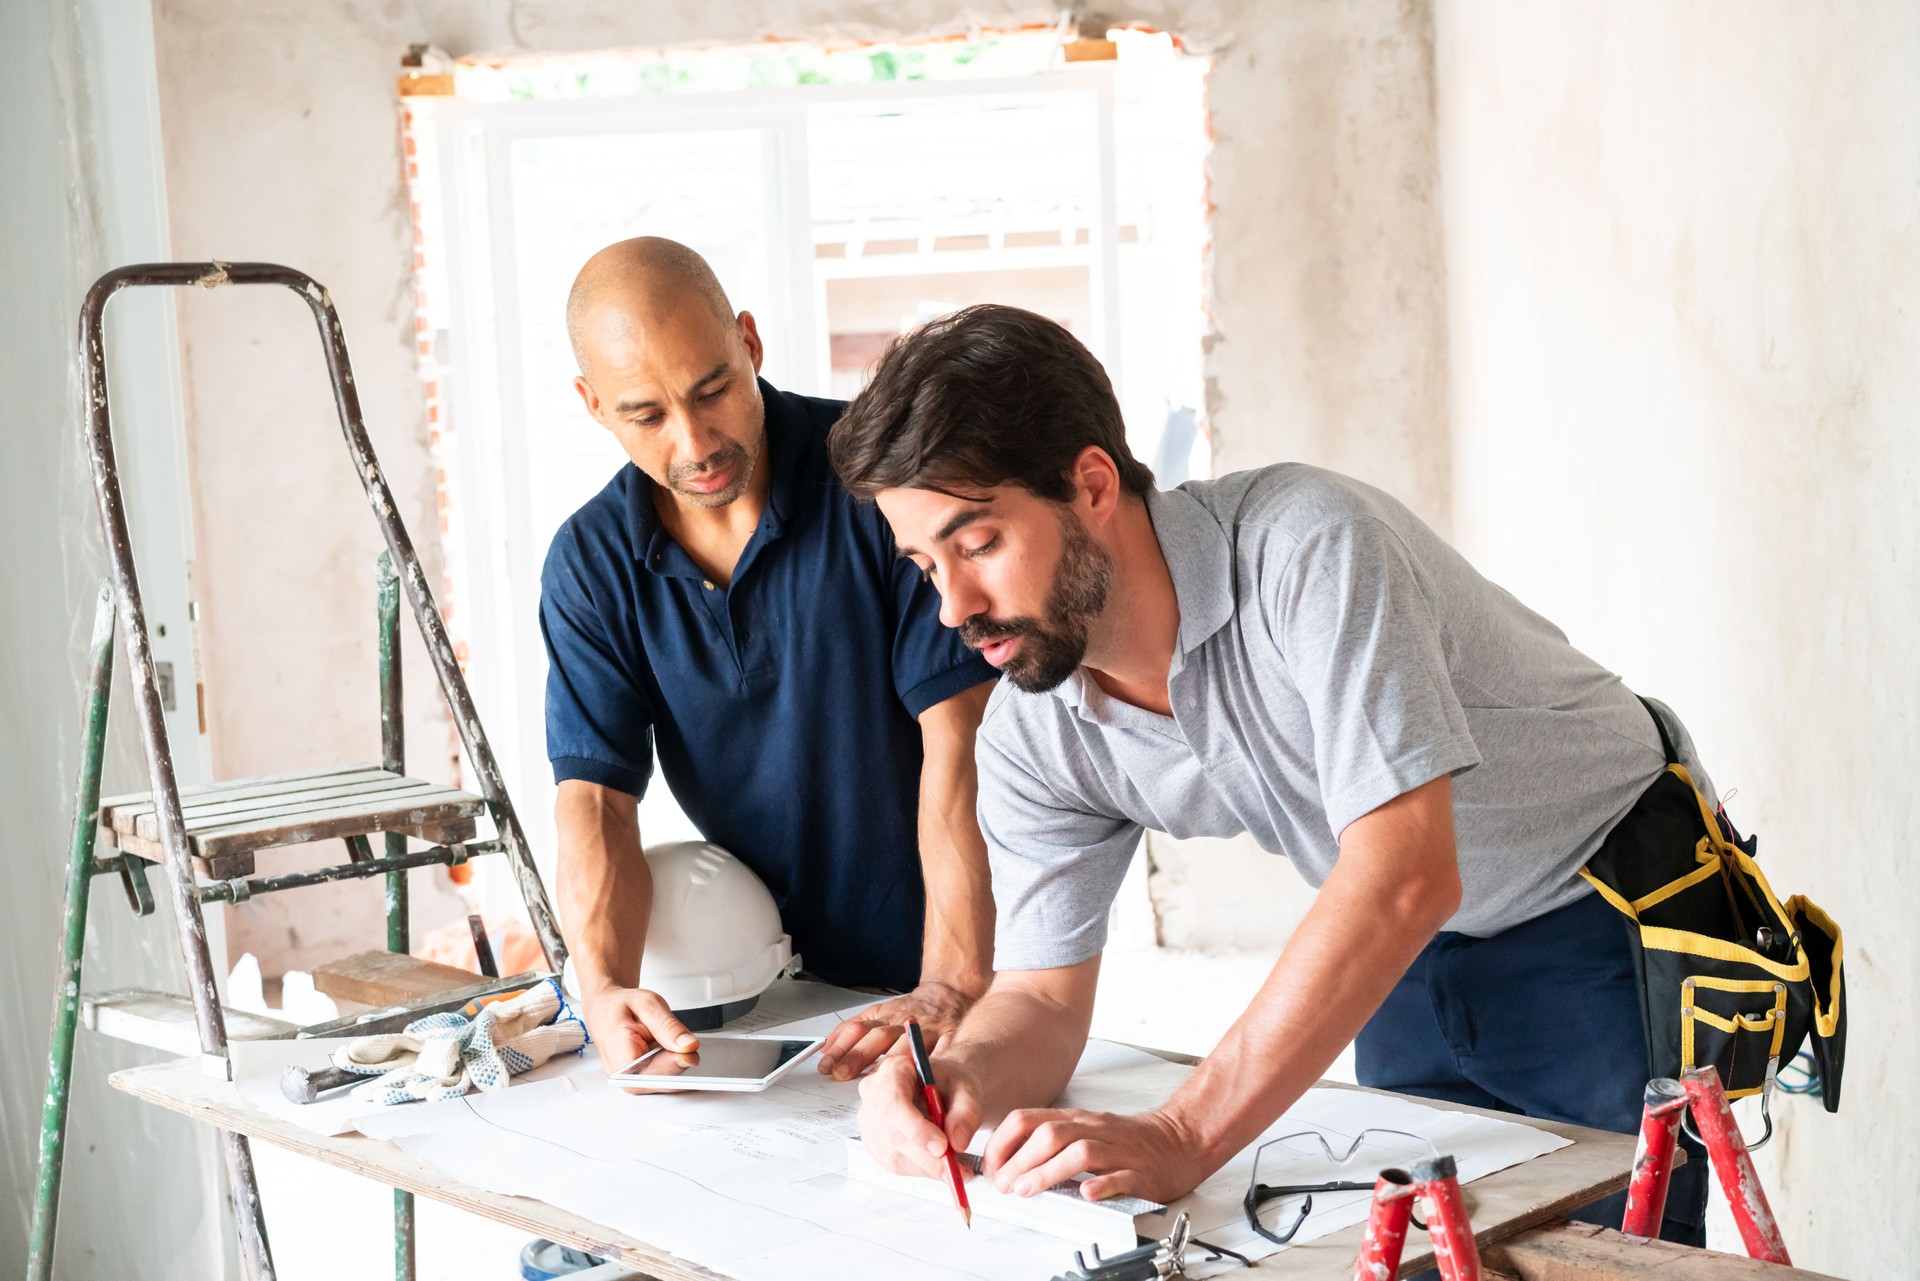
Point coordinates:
[[304, 1085]]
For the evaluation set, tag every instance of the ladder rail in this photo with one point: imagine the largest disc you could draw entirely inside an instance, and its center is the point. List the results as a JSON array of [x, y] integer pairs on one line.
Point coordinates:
[[380, 498], [413, 578], [66, 995], [186, 897], [249, 1224]]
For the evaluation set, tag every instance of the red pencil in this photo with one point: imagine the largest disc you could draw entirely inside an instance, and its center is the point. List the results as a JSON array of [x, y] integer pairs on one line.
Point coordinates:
[[938, 1115]]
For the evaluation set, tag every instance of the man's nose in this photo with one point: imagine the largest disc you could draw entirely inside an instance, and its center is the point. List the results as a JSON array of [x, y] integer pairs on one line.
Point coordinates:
[[695, 442], [960, 599]]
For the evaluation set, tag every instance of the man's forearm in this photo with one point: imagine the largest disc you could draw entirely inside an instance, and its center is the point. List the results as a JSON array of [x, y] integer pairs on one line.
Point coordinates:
[[958, 948], [1021, 1041], [604, 887], [1369, 922]]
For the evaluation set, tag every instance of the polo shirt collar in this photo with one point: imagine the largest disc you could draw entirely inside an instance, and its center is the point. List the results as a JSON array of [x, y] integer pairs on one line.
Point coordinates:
[[786, 457], [1200, 561]]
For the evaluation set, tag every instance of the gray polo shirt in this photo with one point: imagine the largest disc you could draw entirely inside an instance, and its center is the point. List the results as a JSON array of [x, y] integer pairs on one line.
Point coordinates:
[[1334, 653]]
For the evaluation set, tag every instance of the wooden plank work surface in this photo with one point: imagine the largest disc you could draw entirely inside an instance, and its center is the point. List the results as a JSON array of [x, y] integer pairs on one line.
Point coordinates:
[[1588, 1252], [1501, 1204], [228, 821]]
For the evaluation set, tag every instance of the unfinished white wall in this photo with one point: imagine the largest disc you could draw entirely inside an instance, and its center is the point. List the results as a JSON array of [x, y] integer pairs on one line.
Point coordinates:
[[1680, 242], [79, 146], [281, 144], [1677, 252]]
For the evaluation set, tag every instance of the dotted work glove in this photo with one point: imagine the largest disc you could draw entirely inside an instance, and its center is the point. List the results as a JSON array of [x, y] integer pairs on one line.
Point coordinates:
[[443, 1056]]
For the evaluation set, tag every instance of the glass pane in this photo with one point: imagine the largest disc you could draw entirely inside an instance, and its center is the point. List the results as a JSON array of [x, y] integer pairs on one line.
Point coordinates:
[[922, 210]]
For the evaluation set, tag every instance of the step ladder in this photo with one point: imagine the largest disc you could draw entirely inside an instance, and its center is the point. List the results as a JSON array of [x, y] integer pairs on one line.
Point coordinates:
[[210, 841]]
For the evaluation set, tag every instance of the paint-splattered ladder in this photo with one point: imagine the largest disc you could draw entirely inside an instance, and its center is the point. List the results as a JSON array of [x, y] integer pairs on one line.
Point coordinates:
[[207, 838]]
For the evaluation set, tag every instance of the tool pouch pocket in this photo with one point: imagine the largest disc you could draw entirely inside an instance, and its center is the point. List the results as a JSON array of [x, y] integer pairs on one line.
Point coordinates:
[[1729, 975]]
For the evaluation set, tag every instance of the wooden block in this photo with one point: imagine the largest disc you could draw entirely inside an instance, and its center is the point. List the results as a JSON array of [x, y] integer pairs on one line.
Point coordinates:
[[387, 978], [1563, 1251], [225, 868], [414, 84], [1100, 50], [445, 832]]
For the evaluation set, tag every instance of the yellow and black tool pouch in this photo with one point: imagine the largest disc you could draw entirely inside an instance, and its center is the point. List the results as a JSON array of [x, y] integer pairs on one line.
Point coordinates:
[[1729, 974]]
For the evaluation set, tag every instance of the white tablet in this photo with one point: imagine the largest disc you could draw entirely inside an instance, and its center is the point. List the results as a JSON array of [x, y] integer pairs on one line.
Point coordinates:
[[738, 1061]]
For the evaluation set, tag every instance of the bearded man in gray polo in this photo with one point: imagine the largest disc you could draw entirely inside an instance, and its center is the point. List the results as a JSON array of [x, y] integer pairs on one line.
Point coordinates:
[[1287, 653]]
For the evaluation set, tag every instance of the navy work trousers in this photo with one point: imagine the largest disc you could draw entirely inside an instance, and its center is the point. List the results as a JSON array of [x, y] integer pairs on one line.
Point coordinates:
[[1543, 1020]]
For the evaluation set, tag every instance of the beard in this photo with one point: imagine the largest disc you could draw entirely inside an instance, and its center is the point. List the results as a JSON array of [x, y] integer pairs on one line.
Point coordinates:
[[732, 455], [1053, 647]]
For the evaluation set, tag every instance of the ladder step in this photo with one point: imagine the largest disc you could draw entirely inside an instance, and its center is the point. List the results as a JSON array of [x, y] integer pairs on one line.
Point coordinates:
[[165, 1021], [226, 822]]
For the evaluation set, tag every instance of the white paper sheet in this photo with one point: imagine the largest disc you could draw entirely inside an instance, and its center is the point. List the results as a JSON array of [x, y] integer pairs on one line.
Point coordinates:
[[757, 1185]]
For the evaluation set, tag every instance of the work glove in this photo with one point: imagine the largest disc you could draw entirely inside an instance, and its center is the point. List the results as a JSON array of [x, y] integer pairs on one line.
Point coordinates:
[[443, 1056]]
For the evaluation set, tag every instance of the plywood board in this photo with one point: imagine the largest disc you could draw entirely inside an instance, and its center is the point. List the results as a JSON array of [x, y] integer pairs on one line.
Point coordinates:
[[182, 1087]]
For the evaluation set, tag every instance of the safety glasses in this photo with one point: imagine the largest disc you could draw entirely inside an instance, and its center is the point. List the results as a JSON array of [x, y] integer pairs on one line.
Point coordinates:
[[1280, 1158]]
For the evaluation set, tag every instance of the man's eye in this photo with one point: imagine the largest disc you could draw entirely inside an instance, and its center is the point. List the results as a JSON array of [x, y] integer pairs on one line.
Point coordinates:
[[926, 573], [715, 394], [985, 547]]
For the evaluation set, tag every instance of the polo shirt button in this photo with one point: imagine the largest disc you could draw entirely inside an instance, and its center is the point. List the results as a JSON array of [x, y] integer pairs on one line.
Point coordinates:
[[704, 583]]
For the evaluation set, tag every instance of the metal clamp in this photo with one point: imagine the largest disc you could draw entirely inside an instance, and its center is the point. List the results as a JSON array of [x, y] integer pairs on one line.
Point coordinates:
[[1164, 1258]]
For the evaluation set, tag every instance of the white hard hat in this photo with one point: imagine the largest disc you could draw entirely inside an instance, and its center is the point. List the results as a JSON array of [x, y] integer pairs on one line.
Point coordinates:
[[714, 940]]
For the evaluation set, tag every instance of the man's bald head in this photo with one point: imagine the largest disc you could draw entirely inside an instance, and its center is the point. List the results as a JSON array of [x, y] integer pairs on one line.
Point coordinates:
[[632, 284], [668, 368]]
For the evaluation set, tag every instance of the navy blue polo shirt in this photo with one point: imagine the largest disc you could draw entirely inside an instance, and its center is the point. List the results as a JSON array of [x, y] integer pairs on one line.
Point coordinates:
[[782, 707]]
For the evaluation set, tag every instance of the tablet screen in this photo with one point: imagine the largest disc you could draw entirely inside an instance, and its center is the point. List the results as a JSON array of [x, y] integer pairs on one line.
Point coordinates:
[[721, 1058]]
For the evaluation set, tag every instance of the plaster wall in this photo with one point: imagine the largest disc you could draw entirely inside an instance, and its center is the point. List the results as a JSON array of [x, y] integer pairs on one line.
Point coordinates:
[[79, 145], [1680, 247], [281, 143]]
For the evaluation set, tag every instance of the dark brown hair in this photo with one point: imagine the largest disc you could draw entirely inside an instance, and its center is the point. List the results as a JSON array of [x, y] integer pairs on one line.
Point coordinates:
[[986, 396]]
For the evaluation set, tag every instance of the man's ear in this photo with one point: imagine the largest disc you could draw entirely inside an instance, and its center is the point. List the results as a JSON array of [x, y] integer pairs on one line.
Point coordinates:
[[588, 398], [750, 335], [1098, 481]]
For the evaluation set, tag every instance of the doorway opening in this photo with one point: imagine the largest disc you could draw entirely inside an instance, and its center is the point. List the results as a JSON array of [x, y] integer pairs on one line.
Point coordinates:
[[843, 195]]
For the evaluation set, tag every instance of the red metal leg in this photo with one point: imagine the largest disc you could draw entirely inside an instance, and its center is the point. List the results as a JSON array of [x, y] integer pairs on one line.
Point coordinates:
[[1653, 1162], [1438, 1181], [1386, 1227], [1734, 1166]]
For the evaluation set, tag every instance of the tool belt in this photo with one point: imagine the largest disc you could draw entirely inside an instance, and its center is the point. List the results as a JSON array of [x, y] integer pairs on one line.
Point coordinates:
[[1729, 975]]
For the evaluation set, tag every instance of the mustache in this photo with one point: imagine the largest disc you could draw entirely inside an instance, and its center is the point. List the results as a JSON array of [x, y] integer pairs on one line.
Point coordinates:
[[980, 631], [713, 462]]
